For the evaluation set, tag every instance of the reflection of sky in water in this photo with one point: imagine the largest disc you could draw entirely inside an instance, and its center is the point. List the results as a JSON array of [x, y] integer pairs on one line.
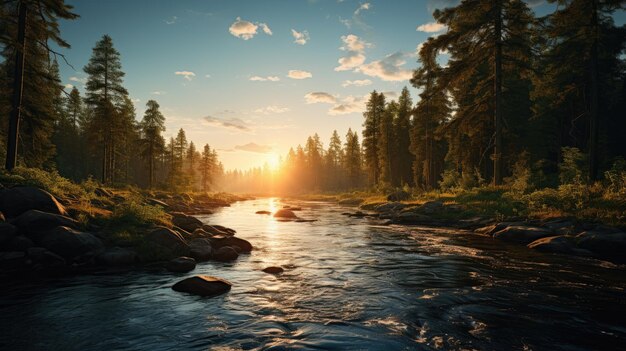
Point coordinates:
[[348, 284]]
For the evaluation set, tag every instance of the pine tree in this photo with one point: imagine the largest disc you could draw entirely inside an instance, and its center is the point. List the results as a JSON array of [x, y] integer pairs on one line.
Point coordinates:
[[191, 156], [32, 113], [152, 125], [207, 165], [371, 135], [402, 130], [333, 159], [104, 91], [386, 143], [353, 159]]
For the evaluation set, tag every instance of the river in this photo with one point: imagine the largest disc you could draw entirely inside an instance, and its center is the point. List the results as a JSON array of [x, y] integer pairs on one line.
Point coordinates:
[[349, 284]]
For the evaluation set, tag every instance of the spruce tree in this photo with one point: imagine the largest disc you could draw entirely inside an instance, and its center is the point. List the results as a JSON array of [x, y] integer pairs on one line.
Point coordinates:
[[152, 142]]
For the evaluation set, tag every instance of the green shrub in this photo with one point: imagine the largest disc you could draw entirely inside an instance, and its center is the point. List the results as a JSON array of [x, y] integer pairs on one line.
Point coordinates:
[[450, 180], [520, 181], [50, 181], [133, 212], [574, 168], [615, 179]]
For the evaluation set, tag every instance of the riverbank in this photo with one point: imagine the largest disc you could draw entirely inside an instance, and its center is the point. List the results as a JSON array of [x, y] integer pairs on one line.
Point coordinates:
[[52, 226], [593, 228]]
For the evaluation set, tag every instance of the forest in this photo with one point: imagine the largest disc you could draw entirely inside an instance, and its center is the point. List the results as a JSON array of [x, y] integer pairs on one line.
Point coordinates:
[[520, 101]]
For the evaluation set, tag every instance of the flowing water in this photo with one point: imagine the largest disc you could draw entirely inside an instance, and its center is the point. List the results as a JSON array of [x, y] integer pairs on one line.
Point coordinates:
[[349, 284]]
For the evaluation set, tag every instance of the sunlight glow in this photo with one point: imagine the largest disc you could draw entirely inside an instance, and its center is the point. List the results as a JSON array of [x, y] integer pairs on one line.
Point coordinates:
[[273, 161]]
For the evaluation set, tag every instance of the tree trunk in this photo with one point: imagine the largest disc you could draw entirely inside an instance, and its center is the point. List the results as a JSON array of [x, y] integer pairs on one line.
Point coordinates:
[[593, 109], [497, 152], [18, 85]]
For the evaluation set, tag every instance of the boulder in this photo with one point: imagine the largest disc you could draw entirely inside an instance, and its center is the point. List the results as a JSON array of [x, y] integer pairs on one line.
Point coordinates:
[[188, 223], [41, 256], [558, 244], [609, 246], [2, 219], [390, 207], [203, 285], [181, 264], [7, 233], [212, 230], [200, 249], [155, 202], [225, 254], [273, 270], [232, 241], [117, 256], [170, 242], [431, 207], [490, 230], [33, 222], [410, 217], [284, 213], [20, 243], [522, 234], [17, 200], [13, 260], [263, 212], [229, 231], [69, 243], [398, 196]]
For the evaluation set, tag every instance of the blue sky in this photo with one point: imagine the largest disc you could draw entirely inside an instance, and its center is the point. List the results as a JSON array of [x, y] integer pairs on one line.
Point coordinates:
[[253, 78]]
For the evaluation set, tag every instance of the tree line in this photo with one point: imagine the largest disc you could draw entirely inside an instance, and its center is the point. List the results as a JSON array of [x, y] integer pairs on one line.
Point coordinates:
[[517, 93], [92, 135]]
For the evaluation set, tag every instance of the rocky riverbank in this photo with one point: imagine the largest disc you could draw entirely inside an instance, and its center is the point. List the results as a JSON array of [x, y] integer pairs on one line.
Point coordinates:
[[42, 235], [558, 235]]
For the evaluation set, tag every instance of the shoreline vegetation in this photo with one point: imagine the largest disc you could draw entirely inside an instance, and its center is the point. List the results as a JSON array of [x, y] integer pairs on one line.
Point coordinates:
[[52, 226]]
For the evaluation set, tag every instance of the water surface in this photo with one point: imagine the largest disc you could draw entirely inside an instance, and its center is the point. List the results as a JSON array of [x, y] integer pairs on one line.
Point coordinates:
[[349, 284]]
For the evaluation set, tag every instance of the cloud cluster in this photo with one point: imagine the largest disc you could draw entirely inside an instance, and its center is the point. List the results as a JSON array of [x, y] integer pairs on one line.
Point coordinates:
[[355, 52], [300, 37], [356, 83], [247, 30], [228, 123], [271, 109], [389, 68], [254, 147], [341, 106], [431, 27], [298, 74], [319, 97], [264, 79], [186, 74]]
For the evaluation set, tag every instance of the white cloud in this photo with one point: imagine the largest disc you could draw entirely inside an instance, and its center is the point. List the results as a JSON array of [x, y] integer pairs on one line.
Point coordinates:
[[389, 68], [253, 147], [298, 74], [265, 28], [356, 83], [247, 30], [271, 110], [320, 97], [171, 20], [186, 74], [228, 123], [68, 86], [300, 37], [263, 79], [207, 76], [355, 49], [158, 93], [77, 79], [349, 104], [365, 6], [431, 27], [390, 94]]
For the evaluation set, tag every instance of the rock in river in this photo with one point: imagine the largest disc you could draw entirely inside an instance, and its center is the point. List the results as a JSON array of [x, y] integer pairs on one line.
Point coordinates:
[[200, 249], [522, 234], [284, 213], [203, 285], [35, 221], [17, 200], [225, 254], [117, 256], [264, 212], [244, 245], [558, 244], [169, 240], [181, 264], [69, 243], [273, 270], [610, 246], [187, 222]]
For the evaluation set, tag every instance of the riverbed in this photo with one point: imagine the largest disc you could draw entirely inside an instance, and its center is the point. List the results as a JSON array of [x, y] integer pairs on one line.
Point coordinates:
[[349, 284]]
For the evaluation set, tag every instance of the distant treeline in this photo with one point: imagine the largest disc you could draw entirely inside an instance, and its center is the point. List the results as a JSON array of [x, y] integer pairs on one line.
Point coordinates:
[[516, 95], [96, 135]]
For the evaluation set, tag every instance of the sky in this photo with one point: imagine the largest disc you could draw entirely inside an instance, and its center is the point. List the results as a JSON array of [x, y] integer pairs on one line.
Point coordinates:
[[254, 78]]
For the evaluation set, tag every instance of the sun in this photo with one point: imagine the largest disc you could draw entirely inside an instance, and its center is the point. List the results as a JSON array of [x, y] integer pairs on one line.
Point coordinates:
[[273, 161]]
